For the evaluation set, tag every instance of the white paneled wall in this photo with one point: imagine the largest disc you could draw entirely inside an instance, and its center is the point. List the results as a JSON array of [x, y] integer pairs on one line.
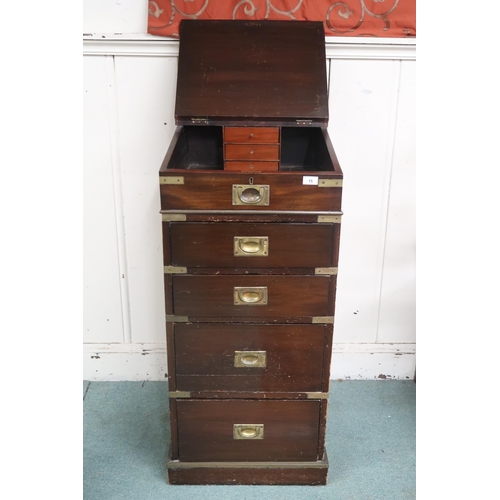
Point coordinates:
[[129, 93], [362, 98], [115, 16], [145, 90], [103, 298], [397, 298]]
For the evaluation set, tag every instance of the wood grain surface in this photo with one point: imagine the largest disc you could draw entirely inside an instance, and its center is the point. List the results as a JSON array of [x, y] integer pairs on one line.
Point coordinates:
[[206, 430]]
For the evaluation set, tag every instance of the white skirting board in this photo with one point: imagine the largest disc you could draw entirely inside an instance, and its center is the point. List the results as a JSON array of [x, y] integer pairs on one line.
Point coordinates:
[[114, 362]]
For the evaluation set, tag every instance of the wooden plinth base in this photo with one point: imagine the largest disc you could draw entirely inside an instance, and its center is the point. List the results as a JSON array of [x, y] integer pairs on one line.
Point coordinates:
[[270, 473]]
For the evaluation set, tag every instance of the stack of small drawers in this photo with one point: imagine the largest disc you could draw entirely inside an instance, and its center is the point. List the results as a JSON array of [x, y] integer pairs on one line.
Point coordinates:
[[251, 149]]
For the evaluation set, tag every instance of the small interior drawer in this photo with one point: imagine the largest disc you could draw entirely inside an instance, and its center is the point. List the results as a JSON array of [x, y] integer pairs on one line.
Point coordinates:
[[251, 166], [252, 135], [265, 152]]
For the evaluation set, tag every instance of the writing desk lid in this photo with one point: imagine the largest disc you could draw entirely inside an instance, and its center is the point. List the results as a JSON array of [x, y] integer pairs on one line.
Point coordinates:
[[251, 72]]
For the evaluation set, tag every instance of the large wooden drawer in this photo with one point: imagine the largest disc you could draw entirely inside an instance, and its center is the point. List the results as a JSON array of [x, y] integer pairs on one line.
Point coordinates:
[[242, 430], [283, 191], [258, 245], [236, 357], [252, 297]]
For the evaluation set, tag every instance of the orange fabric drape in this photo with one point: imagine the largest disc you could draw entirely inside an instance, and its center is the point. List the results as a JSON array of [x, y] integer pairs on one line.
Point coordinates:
[[368, 18]]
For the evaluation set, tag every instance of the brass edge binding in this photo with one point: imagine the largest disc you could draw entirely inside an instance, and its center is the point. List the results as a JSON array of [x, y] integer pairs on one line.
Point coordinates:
[[330, 218], [169, 318], [253, 212], [330, 183], [326, 270], [199, 121], [174, 270], [320, 464], [171, 180], [179, 394], [173, 217], [323, 319], [309, 395], [317, 395]]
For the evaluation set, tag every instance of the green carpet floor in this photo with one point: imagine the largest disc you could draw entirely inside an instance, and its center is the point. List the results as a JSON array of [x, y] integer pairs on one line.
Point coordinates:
[[370, 444]]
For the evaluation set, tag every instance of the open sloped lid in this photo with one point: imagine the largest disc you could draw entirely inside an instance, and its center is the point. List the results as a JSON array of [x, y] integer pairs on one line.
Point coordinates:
[[263, 72]]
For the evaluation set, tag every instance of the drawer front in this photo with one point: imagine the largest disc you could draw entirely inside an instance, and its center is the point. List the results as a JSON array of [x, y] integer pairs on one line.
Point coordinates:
[[251, 166], [251, 135], [228, 357], [251, 296], [259, 245], [286, 191], [242, 430], [251, 152]]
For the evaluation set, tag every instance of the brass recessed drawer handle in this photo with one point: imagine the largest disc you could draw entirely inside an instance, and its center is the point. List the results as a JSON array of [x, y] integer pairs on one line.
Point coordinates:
[[251, 246], [248, 431], [250, 194], [250, 359], [250, 296]]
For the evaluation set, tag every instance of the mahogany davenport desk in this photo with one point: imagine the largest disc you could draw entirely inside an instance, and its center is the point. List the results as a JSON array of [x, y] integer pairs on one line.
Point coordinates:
[[250, 201]]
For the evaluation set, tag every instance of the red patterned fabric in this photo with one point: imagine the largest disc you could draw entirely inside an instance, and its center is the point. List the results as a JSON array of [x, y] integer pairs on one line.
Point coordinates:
[[369, 18]]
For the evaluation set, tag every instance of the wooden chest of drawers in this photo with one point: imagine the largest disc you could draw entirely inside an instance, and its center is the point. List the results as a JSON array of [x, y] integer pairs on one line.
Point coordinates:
[[251, 211]]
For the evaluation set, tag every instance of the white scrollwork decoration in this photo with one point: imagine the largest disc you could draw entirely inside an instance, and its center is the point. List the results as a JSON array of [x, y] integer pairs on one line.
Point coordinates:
[[250, 9], [339, 10], [344, 12], [175, 9], [185, 14], [157, 12], [345, 15], [288, 13]]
